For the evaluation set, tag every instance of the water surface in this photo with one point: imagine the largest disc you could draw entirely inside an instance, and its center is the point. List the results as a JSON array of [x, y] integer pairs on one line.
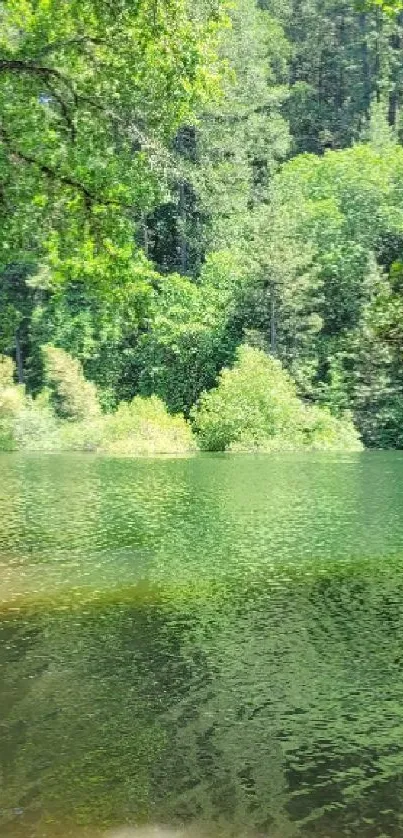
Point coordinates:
[[213, 643]]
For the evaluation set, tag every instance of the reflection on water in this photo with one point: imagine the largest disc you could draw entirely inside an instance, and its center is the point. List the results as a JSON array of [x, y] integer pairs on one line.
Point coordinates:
[[212, 644]]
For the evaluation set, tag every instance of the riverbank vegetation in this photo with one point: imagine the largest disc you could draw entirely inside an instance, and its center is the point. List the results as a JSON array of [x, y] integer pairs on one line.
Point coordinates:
[[254, 408], [201, 221], [67, 415]]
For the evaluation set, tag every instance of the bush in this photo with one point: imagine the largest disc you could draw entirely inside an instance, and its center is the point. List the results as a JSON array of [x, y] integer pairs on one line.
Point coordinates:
[[255, 407], [24, 422], [381, 420], [190, 335], [140, 427], [144, 426], [325, 432], [11, 401], [72, 396], [35, 426], [6, 372]]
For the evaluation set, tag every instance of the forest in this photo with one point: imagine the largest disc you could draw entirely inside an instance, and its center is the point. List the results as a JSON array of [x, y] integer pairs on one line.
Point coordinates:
[[201, 210]]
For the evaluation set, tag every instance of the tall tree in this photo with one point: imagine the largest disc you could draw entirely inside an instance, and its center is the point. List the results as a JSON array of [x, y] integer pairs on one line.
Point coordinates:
[[344, 56], [229, 154], [90, 95]]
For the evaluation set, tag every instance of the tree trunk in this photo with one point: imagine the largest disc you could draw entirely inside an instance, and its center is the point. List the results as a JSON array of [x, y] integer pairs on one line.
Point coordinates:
[[182, 231], [366, 71], [396, 43], [146, 244], [273, 330], [19, 359], [377, 68]]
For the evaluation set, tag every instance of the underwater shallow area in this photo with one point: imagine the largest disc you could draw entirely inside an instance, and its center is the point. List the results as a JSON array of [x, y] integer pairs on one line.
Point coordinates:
[[213, 644]]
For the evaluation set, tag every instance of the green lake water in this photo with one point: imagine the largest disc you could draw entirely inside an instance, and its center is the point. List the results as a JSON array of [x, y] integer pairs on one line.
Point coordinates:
[[213, 642]]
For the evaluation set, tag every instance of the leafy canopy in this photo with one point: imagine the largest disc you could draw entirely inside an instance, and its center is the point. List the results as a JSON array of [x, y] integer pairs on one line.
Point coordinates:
[[90, 94]]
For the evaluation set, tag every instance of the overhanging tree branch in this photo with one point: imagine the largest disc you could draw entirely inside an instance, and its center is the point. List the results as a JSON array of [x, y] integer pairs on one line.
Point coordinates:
[[89, 196], [17, 65], [48, 74]]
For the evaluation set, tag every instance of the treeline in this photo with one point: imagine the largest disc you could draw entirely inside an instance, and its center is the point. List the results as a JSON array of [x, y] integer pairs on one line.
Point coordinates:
[[179, 184], [255, 407]]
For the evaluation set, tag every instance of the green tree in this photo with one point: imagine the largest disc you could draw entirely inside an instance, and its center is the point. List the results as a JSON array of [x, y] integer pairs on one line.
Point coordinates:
[[242, 140], [347, 207], [190, 333], [255, 407], [227, 155], [345, 55], [17, 302], [90, 97], [74, 397]]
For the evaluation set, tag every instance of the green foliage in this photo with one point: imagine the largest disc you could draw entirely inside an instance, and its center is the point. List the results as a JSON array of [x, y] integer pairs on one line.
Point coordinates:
[[6, 372], [67, 416], [35, 425], [73, 397], [189, 337], [91, 95], [242, 139], [389, 6], [24, 422], [144, 426], [11, 401], [346, 210], [344, 56], [345, 204], [365, 370], [256, 407], [150, 225]]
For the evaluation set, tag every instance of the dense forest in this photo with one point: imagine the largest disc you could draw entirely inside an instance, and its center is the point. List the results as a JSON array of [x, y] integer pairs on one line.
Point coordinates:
[[201, 210]]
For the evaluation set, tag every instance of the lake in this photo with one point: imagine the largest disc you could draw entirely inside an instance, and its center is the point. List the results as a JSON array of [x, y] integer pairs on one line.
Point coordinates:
[[212, 643]]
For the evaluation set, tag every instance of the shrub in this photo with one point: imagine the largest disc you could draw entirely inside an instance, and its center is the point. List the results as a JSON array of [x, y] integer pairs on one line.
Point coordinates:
[[323, 431], [11, 401], [6, 372], [35, 426], [144, 426], [140, 427], [72, 396], [24, 422], [255, 407]]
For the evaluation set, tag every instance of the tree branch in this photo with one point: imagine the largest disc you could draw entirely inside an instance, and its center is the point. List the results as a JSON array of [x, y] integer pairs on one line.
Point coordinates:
[[65, 112], [16, 65], [49, 74], [89, 196]]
